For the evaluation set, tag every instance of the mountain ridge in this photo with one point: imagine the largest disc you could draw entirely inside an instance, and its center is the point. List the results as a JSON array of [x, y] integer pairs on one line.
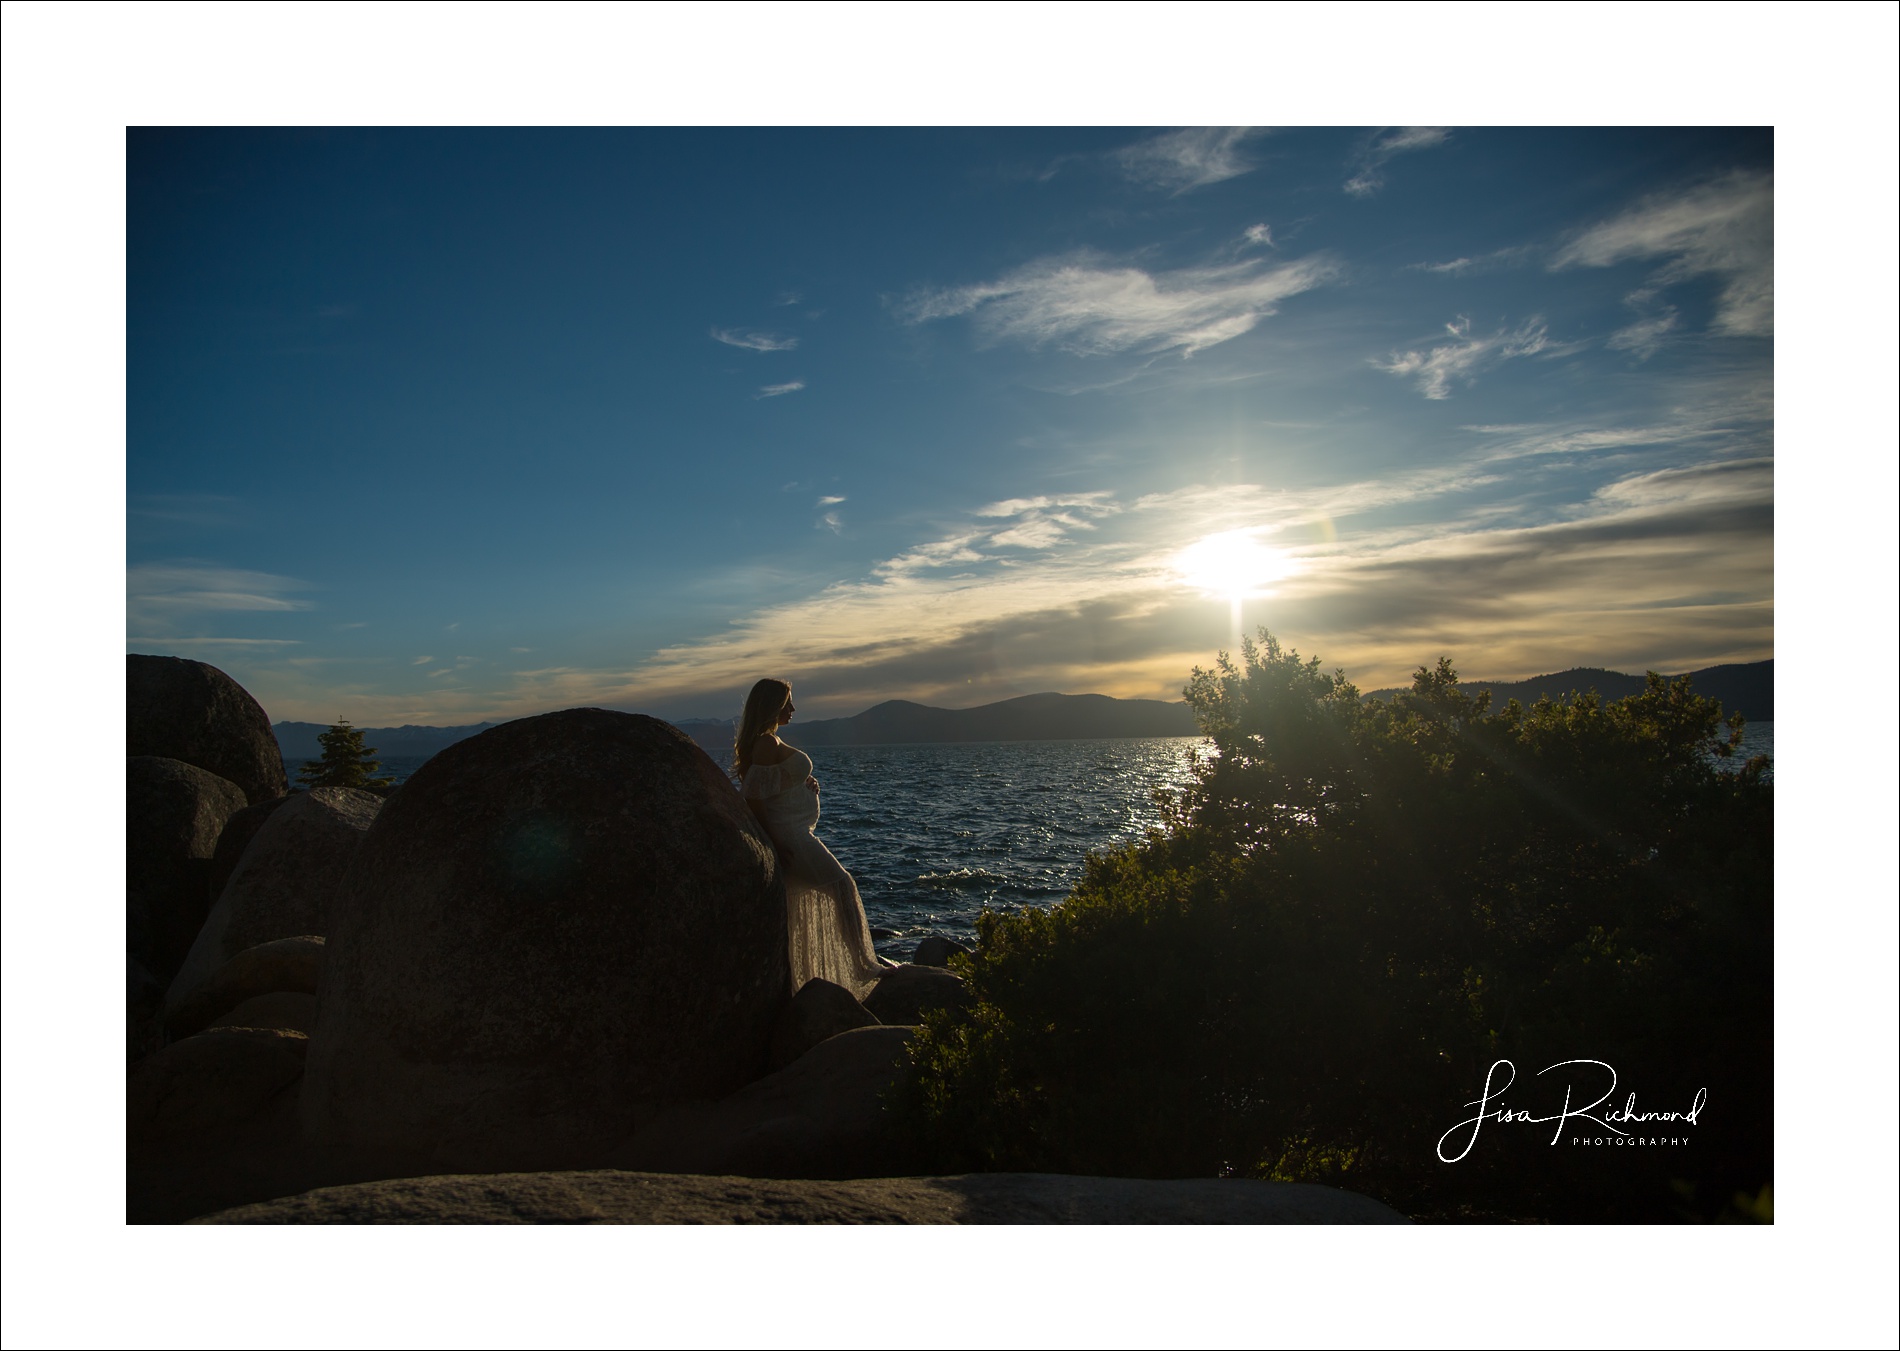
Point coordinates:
[[1744, 687], [1747, 687]]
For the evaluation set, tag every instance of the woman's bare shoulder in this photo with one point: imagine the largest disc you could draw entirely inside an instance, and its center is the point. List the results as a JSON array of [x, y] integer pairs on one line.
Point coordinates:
[[769, 750]]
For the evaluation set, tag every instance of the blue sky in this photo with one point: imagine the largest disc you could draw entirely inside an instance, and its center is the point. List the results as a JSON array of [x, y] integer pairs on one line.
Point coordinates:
[[442, 425]]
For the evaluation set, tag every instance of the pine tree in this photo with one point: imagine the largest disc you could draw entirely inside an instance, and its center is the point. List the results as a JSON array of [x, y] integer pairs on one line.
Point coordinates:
[[346, 760]]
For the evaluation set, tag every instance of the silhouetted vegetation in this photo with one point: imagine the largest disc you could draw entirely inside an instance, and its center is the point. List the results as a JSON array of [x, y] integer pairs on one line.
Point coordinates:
[[1355, 911], [346, 761]]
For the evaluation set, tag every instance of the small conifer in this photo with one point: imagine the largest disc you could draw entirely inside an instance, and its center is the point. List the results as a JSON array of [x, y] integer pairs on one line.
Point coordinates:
[[346, 761]]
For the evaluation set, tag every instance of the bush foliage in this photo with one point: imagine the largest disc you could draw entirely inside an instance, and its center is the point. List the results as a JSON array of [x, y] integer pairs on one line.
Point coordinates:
[[1355, 910]]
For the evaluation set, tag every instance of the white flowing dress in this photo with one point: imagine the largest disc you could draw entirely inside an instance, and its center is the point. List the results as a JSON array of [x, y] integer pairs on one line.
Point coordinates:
[[830, 938]]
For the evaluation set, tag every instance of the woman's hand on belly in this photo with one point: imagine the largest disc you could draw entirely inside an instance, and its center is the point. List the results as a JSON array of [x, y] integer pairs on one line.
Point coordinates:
[[812, 784]]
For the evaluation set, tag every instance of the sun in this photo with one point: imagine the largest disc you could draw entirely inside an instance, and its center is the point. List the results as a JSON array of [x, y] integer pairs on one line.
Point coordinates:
[[1233, 565]]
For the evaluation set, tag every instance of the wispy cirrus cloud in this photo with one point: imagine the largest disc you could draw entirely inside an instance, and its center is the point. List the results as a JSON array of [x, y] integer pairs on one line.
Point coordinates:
[[164, 595], [1460, 360], [1723, 228], [1193, 157], [1368, 168], [773, 391], [1483, 262], [754, 341], [1091, 307]]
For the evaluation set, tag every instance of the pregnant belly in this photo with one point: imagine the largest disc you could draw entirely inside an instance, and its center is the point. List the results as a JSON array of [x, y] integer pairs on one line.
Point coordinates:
[[793, 809]]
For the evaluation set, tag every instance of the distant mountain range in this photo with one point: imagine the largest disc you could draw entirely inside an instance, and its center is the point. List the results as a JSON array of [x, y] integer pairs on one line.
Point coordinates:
[[1748, 687], [1744, 687], [298, 740], [1032, 717]]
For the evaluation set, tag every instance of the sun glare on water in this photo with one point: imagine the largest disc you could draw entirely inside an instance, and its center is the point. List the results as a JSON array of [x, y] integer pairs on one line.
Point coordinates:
[[1233, 565]]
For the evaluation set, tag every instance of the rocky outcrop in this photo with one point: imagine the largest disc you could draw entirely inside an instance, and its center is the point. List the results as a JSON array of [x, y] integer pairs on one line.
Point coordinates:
[[239, 831], [613, 1197], [186, 710], [174, 813], [555, 930], [283, 884], [905, 993], [284, 965], [820, 1010], [936, 950], [144, 996], [824, 1115], [284, 1009], [210, 1082]]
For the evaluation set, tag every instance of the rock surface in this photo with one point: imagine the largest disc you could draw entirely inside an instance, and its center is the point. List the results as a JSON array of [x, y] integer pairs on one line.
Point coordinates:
[[174, 813], [905, 992], [820, 1009], [283, 964], [239, 831], [936, 950], [559, 927], [283, 884], [611, 1197], [186, 710], [143, 998], [210, 1081], [821, 1116], [285, 1009]]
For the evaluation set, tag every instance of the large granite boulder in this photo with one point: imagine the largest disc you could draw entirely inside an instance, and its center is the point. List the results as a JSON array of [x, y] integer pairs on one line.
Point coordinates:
[[174, 813], [239, 831], [144, 996], [820, 1010], [558, 927], [186, 710], [904, 994], [611, 1197], [285, 1009], [935, 950], [283, 884], [283, 965], [824, 1115], [211, 1081]]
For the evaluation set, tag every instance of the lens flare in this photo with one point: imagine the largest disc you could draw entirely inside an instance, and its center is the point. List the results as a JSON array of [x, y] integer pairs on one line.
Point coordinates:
[[1233, 565]]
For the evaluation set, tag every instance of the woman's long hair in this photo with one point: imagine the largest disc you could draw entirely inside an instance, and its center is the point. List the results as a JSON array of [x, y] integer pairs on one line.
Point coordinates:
[[762, 707]]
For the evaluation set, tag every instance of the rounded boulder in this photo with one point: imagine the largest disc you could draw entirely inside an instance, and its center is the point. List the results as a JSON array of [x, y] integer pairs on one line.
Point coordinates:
[[187, 710], [556, 929], [283, 884], [174, 813]]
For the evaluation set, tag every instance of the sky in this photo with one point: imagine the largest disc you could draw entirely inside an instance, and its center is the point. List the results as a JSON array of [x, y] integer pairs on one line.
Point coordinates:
[[436, 426]]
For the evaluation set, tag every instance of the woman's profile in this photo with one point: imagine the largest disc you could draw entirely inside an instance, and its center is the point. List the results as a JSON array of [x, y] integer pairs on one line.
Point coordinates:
[[830, 938]]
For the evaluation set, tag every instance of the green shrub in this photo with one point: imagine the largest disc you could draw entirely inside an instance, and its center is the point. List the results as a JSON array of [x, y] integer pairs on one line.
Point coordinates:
[[1357, 907]]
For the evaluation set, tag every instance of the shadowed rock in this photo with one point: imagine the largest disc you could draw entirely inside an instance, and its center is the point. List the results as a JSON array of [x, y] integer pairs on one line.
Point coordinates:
[[239, 831], [285, 1009], [821, 1116], [283, 884], [609, 1197], [557, 928], [905, 992], [209, 1082], [186, 710], [820, 1009], [174, 813], [936, 950], [282, 965], [143, 998]]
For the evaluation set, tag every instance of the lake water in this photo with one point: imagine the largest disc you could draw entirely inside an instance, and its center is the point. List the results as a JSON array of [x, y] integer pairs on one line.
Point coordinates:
[[934, 833]]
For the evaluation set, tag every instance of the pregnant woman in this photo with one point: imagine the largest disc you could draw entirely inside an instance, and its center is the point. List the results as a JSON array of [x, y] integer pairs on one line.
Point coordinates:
[[829, 936]]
